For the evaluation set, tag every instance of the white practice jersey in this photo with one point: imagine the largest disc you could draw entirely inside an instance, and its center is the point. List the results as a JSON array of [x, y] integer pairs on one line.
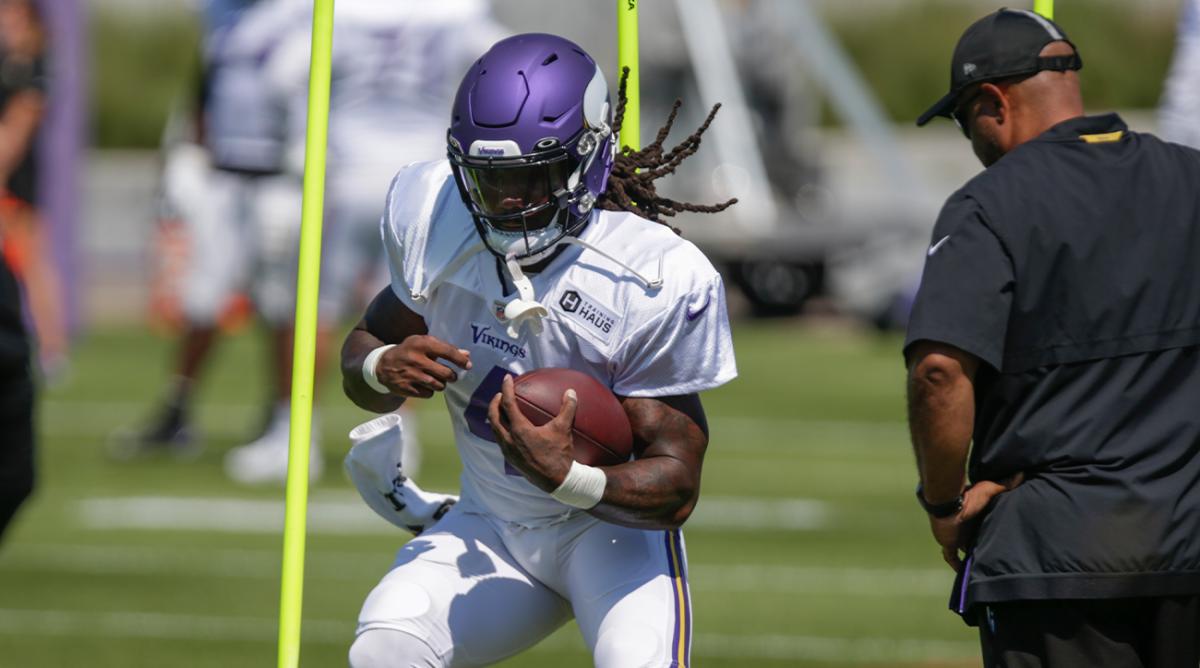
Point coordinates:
[[604, 319], [247, 113], [1178, 119]]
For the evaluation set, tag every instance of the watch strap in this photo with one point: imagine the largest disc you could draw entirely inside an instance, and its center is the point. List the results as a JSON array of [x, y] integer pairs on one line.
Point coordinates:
[[939, 510]]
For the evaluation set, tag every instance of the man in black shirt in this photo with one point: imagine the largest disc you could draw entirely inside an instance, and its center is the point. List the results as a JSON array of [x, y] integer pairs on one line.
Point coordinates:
[[1058, 328]]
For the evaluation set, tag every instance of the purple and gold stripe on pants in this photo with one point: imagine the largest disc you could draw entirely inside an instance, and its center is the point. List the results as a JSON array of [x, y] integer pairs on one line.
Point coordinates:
[[681, 642]]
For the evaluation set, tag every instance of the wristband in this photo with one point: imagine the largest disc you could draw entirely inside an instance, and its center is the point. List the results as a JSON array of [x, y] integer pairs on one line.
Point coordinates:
[[583, 487], [368, 369], [939, 510]]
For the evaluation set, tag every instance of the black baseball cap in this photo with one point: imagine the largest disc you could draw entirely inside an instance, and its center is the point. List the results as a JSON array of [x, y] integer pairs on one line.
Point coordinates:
[[1000, 45]]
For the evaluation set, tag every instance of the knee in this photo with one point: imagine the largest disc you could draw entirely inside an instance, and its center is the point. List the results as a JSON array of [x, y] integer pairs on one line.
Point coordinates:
[[385, 648], [634, 647]]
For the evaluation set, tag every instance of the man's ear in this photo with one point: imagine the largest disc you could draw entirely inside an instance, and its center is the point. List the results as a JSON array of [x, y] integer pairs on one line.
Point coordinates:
[[994, 103]]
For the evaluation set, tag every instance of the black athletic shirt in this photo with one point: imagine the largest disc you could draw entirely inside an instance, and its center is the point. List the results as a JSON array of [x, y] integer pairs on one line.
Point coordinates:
[[14, 342], [18, 75], [1069, 268]]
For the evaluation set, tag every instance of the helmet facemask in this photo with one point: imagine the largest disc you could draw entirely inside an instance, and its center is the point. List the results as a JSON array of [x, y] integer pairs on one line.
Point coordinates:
[[524, 205]]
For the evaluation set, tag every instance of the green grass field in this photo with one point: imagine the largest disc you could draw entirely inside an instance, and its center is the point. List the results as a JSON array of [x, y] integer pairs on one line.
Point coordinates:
[[807, 548]]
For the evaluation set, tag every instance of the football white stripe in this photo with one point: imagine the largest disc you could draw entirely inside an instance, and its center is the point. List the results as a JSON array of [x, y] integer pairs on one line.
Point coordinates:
[[352, 517], [346, 566]]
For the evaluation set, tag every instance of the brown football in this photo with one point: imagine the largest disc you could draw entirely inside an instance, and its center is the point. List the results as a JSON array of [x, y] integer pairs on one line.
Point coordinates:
[[602, 435]]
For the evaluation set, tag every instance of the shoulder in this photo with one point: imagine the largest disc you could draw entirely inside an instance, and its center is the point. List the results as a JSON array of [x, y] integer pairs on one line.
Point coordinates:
[[424, 224], [418, 193], [1186, 156], [636, 273], [654, 250], [965, 215]]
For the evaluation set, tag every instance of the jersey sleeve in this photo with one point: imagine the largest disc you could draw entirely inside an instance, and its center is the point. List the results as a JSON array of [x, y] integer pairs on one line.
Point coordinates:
[[967, 286], [393, 244], [684, 349]]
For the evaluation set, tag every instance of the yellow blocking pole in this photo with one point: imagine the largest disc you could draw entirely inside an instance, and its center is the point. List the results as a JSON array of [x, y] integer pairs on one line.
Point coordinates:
[[627, 56], [304, 355], [1045, 8]]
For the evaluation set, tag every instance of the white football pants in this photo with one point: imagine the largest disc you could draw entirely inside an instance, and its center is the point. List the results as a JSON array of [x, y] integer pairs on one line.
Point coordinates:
[[473, 590]]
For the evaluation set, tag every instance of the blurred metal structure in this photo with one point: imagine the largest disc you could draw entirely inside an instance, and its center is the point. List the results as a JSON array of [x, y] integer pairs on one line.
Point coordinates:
[[778, 249], [737, 149]]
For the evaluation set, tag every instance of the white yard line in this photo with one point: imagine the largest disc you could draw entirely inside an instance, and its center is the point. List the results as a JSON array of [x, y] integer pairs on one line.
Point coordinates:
[[352, 517], [163, 626], [263, 564], [158, 625]]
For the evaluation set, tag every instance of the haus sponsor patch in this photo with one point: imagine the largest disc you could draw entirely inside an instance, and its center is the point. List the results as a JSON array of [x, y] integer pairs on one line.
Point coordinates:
[[596, 318]]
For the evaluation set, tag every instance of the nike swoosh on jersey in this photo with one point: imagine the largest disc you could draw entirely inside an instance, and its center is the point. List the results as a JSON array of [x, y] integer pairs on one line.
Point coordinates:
[[692, 315], [934, 248]]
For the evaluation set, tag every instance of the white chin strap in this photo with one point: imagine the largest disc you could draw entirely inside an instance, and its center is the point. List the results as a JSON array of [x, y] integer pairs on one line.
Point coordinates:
[[525, 309]]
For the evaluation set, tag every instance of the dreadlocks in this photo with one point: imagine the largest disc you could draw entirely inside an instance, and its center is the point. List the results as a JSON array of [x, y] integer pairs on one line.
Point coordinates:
[[631, 184]]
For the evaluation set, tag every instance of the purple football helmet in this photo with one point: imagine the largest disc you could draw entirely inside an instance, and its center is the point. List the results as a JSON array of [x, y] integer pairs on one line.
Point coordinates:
[[531, 143]]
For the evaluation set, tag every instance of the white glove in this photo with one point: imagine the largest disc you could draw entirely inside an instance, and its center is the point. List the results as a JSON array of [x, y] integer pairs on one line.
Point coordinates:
[[374, 466]]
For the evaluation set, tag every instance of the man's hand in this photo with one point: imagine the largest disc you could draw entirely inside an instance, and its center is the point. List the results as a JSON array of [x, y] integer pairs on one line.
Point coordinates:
[[412, 369], [954, 533], [541, 454]]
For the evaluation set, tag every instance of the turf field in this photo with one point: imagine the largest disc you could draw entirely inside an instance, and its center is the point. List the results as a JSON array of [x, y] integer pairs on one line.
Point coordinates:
[[807, 548]]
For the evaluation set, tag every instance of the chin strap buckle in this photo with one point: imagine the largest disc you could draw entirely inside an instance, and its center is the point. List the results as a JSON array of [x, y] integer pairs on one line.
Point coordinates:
[[525, 309]]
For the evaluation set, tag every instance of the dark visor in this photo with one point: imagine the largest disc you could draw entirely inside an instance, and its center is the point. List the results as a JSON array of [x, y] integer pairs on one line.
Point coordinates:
[[500, 190]]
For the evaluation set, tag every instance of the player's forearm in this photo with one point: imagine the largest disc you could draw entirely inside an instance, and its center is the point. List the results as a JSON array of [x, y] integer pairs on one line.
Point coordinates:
[[359, 343], [660, 488], [941, 416], [649, 493]]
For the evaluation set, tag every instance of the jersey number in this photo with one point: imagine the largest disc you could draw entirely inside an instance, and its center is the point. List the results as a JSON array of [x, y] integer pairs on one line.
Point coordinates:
[[477, 409]]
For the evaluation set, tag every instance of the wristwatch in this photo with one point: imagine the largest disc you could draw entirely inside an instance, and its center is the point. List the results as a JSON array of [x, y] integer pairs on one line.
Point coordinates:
[[939, 510]]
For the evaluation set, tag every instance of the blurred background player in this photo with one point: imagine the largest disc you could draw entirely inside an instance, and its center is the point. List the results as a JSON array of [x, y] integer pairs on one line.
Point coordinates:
[[1177, 117], [239, 203], [390, 76], [22, 109]]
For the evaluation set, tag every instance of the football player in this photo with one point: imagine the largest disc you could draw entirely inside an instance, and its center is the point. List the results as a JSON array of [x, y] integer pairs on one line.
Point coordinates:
[[531, 247], [389, 65]]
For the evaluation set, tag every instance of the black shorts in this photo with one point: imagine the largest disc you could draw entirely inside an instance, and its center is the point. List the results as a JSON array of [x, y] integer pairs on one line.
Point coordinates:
[[1110, 633]]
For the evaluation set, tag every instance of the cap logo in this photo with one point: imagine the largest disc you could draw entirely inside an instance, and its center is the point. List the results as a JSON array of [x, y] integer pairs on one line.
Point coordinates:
[[969, 69]]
